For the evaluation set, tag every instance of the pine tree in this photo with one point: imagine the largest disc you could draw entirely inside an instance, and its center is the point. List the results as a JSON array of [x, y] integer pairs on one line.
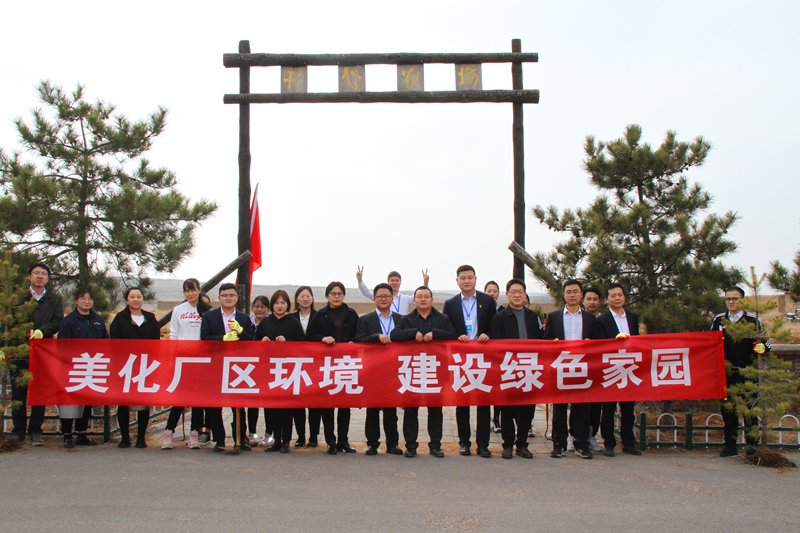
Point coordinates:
[[783, 280], [644, 231], [15, 326], [771, 387], [94, 208]]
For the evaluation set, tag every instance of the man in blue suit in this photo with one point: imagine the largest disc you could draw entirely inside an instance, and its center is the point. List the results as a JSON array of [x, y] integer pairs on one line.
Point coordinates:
[[614, 322], [471, 313], [226, 323], [571, 323]]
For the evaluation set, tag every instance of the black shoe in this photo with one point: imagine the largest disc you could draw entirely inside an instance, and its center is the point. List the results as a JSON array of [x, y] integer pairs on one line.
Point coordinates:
[[558, 452], [219, 448], [464, 451], [300, 443], [244, 446], [124, 443], [83, 440], [274, 448], [345, 447], [411, 453], [68, 442], [312, 442], [508, 453], [524, 452], [372, 450], [608, 451], [631, 450], [584, 454], [436, 452], [140, 443], [20, 438], [483, 451], [285, 447], [394, 450], [729, 451], [331, 449]]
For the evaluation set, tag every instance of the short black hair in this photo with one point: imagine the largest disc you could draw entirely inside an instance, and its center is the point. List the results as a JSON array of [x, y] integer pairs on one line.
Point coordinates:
[[228, 286], [515, 281], [394, 274], [40, 265], [84, 290], [263, 300], [280, 294], [464, 268], [129, 289], [594, 290], [573, 282], [331, 286], [491, 282], [615, 286], [382, 286], [422, 288], [735, 288]]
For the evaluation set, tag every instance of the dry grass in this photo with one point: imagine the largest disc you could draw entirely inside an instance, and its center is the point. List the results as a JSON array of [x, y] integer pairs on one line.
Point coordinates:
[[769, 458], [9, 444]]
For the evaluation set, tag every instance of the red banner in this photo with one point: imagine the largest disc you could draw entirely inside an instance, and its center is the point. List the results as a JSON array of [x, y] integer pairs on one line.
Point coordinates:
[[305, 374]]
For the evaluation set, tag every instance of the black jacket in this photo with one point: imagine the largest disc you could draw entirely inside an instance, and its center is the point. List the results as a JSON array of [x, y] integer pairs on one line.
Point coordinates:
[[504, 325], [554, 329], [441, 327], [213, 329], [311, 314], [321, 326], [369, 326], [273, 327], [484, 306], [123, 326], [48, 313], [607, 326], [740, 354], [78, 326]]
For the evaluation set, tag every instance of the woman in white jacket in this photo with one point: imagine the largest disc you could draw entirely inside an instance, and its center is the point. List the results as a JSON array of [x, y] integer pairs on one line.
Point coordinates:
[[185, 326]]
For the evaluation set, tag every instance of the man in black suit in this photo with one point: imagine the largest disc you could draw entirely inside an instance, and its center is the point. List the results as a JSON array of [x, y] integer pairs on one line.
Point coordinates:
[[226, 323], [471, 313], [571, 324], [613, 323], [516, 322], [376, 327], [423, 324]]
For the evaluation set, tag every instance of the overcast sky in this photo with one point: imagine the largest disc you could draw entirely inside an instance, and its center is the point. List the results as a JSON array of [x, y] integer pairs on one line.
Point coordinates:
[[406, 187]]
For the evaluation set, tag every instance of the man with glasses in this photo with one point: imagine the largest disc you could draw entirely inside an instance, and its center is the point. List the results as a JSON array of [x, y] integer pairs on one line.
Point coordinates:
[[377, 327], [226, 323], [516, 322], [571, 324], [400, 302], [46, 318], [740, 354], [423, 324]]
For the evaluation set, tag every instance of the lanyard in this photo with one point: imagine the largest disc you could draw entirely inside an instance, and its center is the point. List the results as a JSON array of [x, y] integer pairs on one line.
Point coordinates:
[[386, 327], [397, 302], [469, 313]]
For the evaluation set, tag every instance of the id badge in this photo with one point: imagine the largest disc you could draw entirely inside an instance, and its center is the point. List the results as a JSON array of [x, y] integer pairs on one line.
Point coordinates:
[[469, 328]]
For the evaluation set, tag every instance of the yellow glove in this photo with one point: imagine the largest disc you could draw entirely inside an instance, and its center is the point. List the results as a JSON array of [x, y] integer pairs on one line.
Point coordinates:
[[622, 336], [231, 336], [234, 326], [37, 334], [759, 348], [2, 356]]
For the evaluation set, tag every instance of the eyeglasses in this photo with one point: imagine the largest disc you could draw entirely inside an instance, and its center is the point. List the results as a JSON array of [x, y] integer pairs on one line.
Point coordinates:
[[228, 295], [85, 299], [383, 297], [572, 293], [516, 293], [336, 294], [732, 299]]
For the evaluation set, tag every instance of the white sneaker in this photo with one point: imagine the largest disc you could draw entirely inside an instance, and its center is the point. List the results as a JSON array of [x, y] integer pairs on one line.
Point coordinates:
[[167, 444], [269, 440], [194, 440], [594, 445], [570, 443], [253, 438]]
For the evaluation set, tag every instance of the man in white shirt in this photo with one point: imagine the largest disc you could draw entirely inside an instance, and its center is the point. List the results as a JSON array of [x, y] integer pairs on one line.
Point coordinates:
[[400, 302]]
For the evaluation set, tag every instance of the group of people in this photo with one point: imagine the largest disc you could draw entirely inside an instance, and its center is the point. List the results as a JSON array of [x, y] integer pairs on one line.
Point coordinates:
[[470, 315]]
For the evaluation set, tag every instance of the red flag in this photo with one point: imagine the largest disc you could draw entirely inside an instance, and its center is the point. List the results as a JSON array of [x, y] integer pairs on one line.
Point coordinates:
[[255, 236]]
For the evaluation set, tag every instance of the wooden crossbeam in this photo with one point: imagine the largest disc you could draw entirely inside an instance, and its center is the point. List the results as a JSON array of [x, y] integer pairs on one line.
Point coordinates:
[[373, 97], [300, 60]]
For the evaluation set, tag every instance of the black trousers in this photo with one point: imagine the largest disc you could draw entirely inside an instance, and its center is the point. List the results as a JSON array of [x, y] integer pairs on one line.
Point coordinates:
[[626, 424], [299, 416], [579, 421], [483, 429], [124, 422], [730, 421], [520, 416], [372, 428], [81, 425], [411, 427], [281, 421], [19, 416], [314, 418], [595, 417], [214, 421], [197, 422], [342, 422]]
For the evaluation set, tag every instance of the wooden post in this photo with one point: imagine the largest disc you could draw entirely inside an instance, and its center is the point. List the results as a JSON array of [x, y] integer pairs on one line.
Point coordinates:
[[244, 176], [520, 254], [519, 163]]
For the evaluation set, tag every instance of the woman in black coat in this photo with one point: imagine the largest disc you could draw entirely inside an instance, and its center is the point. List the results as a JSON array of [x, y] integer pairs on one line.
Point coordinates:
[[304, 311], [279, 326], [81, 323], [336, 322], [133, 322]]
